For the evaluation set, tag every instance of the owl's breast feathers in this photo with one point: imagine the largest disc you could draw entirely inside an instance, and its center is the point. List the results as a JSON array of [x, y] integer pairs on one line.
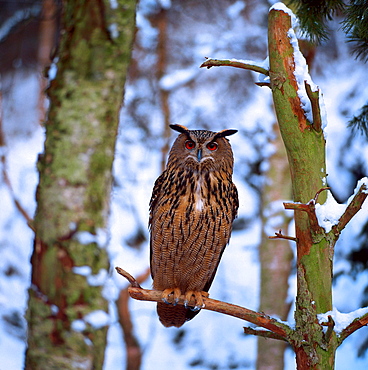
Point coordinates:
[[191, 214]]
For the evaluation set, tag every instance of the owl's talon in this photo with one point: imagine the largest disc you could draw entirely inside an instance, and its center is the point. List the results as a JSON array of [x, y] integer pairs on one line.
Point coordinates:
[[171, 296], [198, 299]]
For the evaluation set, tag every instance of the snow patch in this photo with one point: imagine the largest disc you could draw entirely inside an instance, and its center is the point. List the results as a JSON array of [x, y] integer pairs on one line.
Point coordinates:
[[113, 28], [97, 319], [85, 237], [82, 270], [342, 320], [285, 9], [78, 325], [329, 213]]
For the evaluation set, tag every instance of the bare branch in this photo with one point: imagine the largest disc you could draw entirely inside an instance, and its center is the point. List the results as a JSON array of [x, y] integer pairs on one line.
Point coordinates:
[[133, 349], [279, 235], [316, 230], [330, 326], [358, 323], [6, 178], [319, 192], [263, 333], [129, 277], [353, 207], [257, 318], [252, 66], [316, 109]]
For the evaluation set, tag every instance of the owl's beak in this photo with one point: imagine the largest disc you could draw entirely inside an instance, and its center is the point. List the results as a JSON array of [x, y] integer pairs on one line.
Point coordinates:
[[199, 155]]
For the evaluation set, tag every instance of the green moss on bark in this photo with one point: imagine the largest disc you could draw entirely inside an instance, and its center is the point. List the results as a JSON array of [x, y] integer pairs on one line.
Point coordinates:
[[75, 184]]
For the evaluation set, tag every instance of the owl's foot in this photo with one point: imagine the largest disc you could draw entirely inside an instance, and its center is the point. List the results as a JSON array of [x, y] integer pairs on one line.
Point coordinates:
[[171, 296], [198, 299]]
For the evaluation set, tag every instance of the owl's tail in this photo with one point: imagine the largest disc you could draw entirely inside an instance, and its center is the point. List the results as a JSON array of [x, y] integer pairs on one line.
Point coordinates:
[[174, 315]]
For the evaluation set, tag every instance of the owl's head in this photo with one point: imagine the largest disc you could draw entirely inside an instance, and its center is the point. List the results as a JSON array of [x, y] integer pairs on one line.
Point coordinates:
[[202, 149]]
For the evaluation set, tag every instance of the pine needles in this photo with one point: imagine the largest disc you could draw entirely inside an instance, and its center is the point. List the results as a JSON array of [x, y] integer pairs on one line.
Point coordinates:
[[360, 122], [355, 25], [314, 15]]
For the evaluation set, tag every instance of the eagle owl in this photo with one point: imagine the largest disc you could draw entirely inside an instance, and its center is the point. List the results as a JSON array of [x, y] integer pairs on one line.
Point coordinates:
[[193, 205]]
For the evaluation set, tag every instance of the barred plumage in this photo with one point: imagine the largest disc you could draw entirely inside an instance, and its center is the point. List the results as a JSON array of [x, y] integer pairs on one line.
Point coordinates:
[[193, 205]]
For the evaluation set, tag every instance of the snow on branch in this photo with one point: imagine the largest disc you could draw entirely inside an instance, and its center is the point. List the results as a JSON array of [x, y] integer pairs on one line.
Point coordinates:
[[281, 330], [345, 324], [354, 205], [328, 219]]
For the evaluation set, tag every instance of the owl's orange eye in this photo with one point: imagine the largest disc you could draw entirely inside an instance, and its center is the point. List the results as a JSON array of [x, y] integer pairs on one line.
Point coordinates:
[[212, 146], [189, 144]]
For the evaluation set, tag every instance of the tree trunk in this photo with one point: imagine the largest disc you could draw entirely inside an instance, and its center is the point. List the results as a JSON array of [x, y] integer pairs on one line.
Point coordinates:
[[305, 146], [67, 314], [275, 255]]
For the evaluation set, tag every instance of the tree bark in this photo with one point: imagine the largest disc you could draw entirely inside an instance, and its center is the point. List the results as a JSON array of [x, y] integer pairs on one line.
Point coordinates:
[[305, 146], [67, 314]]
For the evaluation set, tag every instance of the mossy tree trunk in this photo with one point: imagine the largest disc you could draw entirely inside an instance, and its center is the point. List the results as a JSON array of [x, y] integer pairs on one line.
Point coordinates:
[[305, 147], [67, 313]]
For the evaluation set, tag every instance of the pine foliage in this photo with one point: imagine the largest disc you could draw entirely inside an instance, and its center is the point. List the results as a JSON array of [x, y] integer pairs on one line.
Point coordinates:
[[360, 122], [355, 25], [314, 15]]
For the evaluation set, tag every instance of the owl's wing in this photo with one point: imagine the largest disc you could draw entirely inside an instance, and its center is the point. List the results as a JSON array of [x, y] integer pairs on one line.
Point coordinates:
[[157, 191], [234, 200], [155, 197]]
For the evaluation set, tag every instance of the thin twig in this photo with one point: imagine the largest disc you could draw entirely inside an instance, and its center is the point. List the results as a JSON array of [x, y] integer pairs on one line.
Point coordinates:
[[316, 109], [279, 235], [6, 178], [133, 349], [353, 207], [330, 326], [234, 63], [358, 323], [263, 333], [134, 283], [310, 208], [319, 192]]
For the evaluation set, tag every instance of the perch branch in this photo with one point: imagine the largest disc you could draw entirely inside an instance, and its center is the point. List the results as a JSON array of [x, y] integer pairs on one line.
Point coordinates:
[[279, 235], [257, 318], [263, 333], [234, 63], [358, 323], [353, 207], [134, 283], [316, 109]]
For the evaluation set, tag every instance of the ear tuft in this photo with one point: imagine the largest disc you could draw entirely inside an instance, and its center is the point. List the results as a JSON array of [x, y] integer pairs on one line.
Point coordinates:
[[224, 133], [179, 128]]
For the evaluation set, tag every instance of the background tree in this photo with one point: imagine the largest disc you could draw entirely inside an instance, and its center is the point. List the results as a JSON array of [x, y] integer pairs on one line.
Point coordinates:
[[67, 314]]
